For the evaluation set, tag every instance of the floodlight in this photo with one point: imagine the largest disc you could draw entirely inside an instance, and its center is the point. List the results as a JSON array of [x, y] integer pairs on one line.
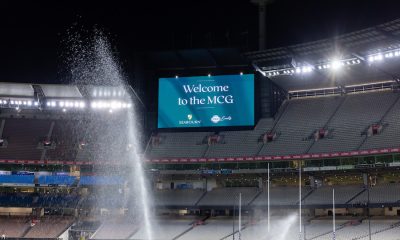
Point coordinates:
[[336, 64], [378, 57], [371, 59]]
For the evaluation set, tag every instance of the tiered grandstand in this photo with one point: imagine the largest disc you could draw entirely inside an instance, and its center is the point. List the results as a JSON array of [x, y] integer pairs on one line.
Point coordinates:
[[346, 118]]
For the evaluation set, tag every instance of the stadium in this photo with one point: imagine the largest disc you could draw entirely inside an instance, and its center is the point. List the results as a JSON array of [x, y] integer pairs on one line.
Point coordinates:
[[293, 142]]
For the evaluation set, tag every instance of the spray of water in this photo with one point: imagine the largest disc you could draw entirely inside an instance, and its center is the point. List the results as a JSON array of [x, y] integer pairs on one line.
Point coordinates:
[[91, 62]]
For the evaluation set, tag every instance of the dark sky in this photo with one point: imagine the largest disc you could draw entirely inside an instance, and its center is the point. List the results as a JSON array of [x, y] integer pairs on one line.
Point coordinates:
[[31, 32]]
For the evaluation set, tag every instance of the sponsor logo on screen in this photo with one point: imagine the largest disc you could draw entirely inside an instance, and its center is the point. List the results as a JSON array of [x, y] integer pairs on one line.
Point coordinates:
[[216, 119], [189, 121]]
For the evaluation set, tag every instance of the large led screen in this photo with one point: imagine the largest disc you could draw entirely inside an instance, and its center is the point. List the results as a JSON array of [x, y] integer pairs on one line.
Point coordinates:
[[206, 101]]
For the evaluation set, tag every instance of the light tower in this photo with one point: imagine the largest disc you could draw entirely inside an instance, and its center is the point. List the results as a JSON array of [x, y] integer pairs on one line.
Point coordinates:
[[262, 28]]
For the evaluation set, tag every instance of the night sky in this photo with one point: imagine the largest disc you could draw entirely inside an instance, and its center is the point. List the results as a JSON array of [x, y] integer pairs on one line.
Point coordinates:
[[31, 32]]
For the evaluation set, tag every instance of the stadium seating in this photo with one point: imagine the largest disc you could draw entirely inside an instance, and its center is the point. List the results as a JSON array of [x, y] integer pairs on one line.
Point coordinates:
[[167, 228], [300, 120], [49, 227], [214, 228], [361, 231], [228, 196], [180, 145], [23, 137], [388, 137], [57, 200], [382, 193], [240, 143], [323, 195], [346, 118], [66, 135], [116, 228], [357, 112], [281, 196], [177, 197], [15, 200], [14, 226]]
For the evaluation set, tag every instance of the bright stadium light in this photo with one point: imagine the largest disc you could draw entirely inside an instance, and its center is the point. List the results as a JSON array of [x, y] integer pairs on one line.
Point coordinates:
[[29, 103], [389, 55], [36, 103], [61, 104], [82, 104], [115, 105], [378, 57], [336, 64], [306, 69], [370, 59]]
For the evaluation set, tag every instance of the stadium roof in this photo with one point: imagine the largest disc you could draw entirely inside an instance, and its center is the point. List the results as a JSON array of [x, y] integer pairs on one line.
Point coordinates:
[[356, 46]]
